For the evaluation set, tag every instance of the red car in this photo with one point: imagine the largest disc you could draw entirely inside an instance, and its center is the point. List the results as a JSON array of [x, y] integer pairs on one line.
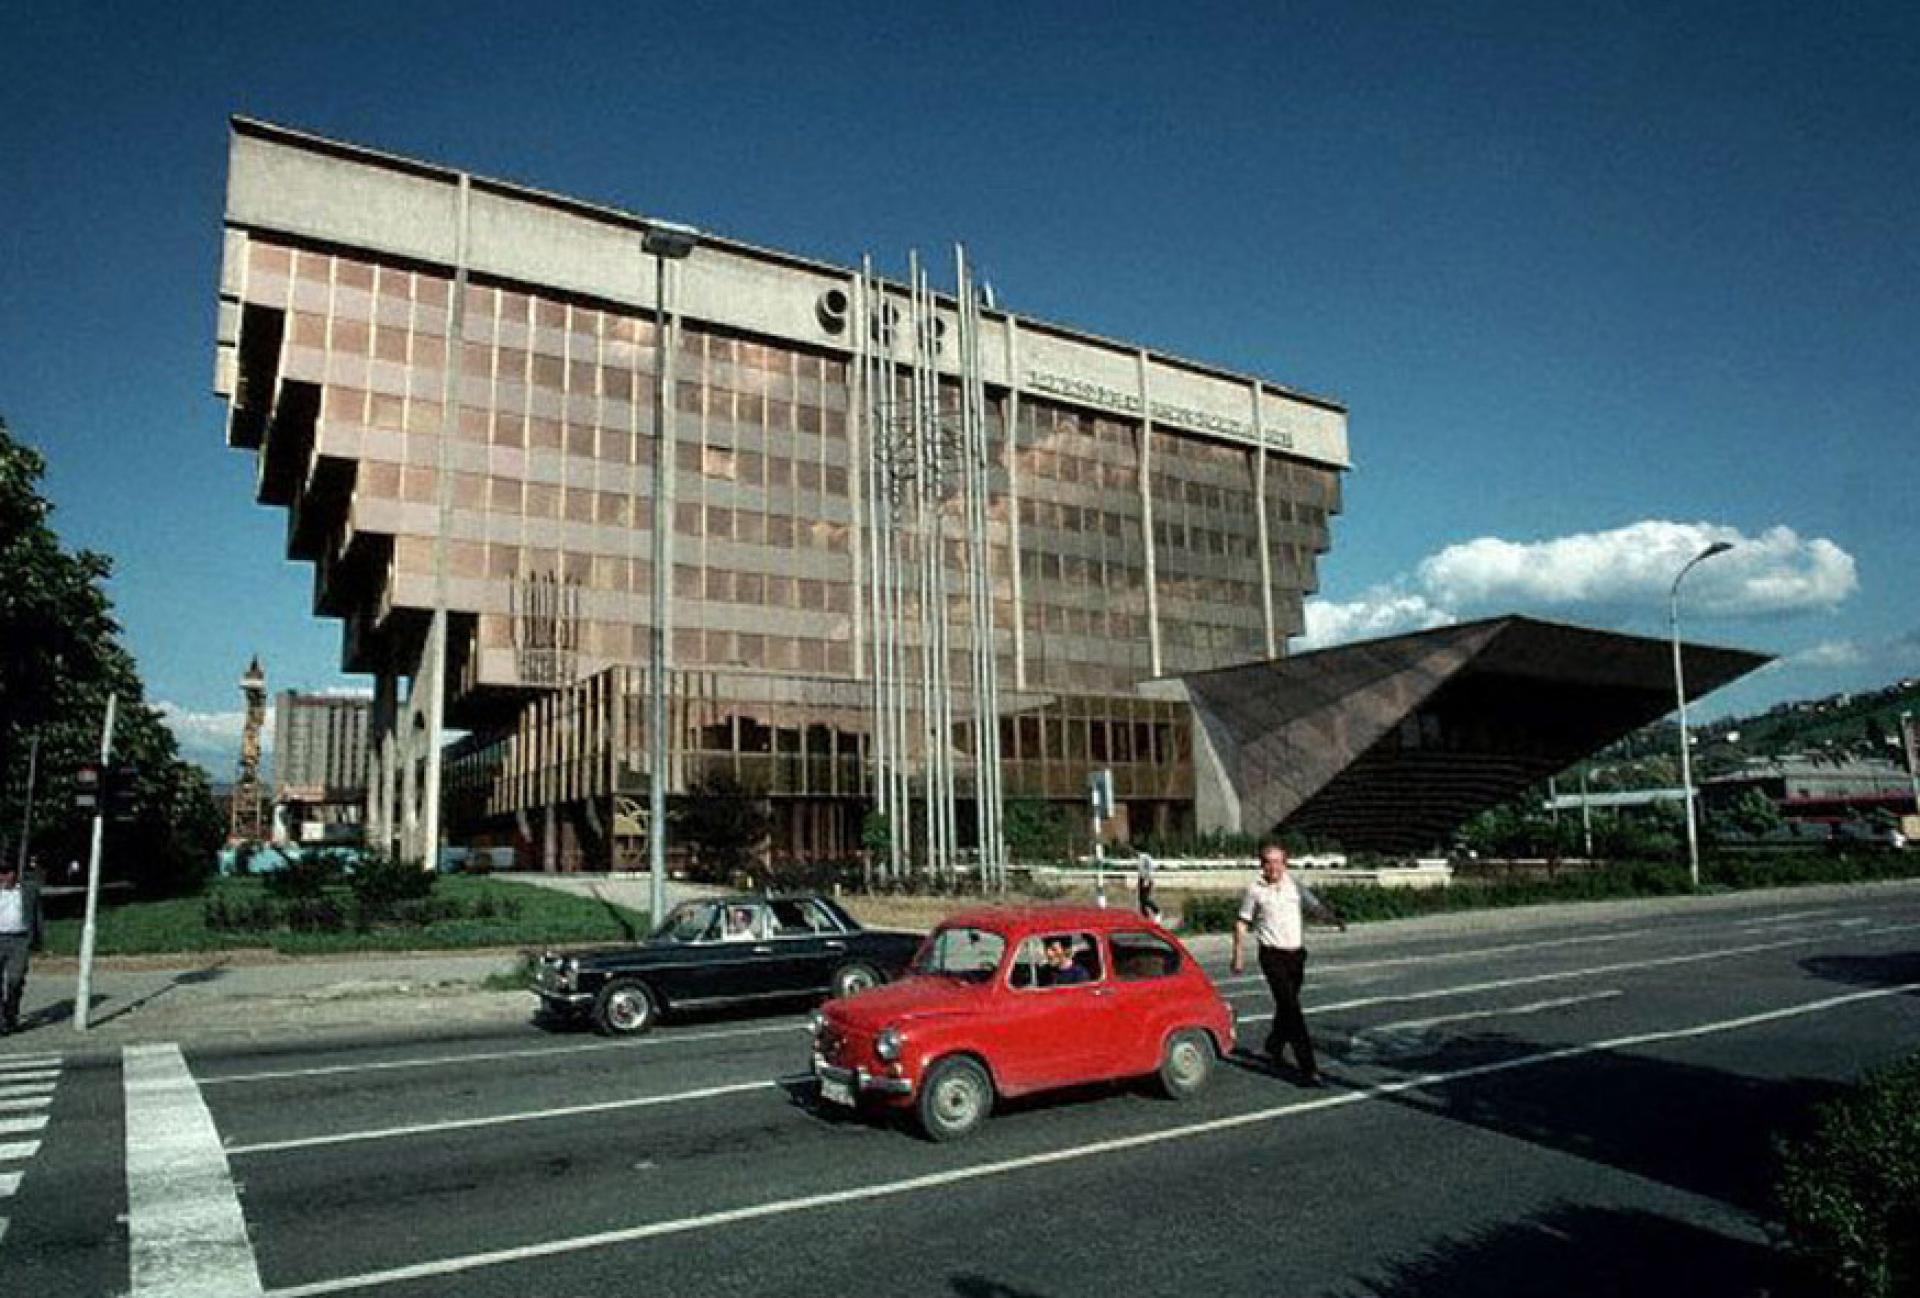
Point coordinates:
[[1002, 1002]]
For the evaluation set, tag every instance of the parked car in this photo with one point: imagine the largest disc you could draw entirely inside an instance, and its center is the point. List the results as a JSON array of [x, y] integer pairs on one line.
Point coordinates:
[[722, 951], [1003, 1002]]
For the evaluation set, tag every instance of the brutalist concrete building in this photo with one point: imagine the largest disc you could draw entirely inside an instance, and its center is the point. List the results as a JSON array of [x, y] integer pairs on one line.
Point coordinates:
[[926, 552]]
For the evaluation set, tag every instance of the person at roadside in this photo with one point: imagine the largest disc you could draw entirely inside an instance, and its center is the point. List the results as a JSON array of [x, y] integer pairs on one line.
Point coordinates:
[[1059, 969], [1143, 885], [1272, 910], [21, 932]]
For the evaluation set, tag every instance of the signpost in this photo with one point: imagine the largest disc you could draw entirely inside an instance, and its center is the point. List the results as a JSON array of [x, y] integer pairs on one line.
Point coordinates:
[[83, 993], [1100, 794]]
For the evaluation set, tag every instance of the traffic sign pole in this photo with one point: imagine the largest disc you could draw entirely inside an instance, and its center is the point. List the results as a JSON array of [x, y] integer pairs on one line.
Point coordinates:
[[83, 994]]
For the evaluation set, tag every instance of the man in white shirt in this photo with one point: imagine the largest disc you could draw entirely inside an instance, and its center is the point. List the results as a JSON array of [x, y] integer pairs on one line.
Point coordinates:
[[20, 933], [1271, 908]]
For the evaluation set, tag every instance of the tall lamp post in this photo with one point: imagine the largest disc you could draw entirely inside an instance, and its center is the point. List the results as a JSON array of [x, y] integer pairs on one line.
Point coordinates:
[[665, 242], [1680, 692]]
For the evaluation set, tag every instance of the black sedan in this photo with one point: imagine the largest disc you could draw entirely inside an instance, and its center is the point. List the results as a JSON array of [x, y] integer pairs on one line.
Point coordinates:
[[722, 951]]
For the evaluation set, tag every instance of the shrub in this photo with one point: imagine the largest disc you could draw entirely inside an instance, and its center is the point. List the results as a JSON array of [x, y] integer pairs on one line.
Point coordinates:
[[379, 881], [315, 915], [1849, 1191], [1038, 830], [307, 876], [1209, 913]]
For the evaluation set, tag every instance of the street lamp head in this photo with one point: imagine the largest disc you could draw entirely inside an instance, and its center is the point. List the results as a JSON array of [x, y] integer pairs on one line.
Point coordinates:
[[1718, 547], [669, 240]]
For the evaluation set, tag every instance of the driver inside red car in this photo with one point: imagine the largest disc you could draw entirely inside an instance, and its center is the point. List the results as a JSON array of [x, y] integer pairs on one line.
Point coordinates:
[[1059, 969]]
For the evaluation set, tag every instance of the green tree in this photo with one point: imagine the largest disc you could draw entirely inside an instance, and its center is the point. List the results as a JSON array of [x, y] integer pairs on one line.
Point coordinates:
[[60, 658], [1753, 815], [726, 823]]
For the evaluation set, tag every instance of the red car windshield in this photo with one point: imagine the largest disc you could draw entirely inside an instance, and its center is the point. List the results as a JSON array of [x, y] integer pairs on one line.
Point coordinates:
[[969, 953]]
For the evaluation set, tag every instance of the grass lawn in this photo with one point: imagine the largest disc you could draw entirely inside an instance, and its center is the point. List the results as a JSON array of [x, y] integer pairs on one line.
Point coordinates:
[[525, 915]]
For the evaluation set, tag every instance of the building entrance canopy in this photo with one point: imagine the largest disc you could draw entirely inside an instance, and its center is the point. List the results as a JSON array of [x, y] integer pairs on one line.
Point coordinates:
[[1389, 745]]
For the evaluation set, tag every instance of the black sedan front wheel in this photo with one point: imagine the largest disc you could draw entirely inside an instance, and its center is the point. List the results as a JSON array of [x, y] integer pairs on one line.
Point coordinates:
[[852, 979], [624, 1008]]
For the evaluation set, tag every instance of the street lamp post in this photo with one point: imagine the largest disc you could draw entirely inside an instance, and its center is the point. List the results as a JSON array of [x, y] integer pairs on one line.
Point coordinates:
[[1908, 746], [664, 242], [1680, 692]]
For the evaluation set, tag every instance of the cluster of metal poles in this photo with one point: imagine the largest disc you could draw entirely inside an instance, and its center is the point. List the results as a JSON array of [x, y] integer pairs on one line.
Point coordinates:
[[926, 486]]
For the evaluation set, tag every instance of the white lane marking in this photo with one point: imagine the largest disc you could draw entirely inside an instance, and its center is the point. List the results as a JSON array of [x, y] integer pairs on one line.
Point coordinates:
[[18, 1151], [9, 1182], [1392, 1040], [1330, 967], [459, 1124], [186, 1235], [1561, 975], [17, 1104], [1001, 1167], [3, 1230], [25, 1090], [21, 1126], [440, 1061], [27, 1078], [532, 1115]]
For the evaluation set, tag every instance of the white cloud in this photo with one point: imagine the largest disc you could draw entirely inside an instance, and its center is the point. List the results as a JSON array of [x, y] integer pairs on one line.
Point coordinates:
[[212, 739], [1773, 574], [202, 727], [1828, 653], [1379, 612]]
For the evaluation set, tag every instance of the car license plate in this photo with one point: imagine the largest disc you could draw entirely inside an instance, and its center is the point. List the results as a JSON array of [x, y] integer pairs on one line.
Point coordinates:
[[835, 1091]]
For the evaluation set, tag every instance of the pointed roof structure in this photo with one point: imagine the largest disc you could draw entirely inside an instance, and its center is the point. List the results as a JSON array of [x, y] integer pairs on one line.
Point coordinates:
[[1390, 744]]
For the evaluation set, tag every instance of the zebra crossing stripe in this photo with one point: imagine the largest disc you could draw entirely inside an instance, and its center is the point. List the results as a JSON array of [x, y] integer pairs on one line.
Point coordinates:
[[18, 1151], [22, 1126], [186, 1233], [16, 1062], [27, 1091], [26, 1078], [9, 1182], [26, 1102]]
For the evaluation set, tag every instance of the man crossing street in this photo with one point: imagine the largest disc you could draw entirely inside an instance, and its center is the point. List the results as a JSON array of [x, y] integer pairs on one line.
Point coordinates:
[[1271, 910]]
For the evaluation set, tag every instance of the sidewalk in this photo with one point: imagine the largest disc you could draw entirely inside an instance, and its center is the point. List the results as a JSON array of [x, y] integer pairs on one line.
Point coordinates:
[[240, 998]]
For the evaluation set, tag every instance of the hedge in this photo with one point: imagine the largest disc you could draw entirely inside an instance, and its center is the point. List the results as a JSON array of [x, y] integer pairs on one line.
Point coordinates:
[[1849, 1190]]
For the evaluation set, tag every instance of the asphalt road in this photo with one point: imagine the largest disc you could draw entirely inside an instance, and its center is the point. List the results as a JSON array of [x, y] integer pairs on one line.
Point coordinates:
[[1521, 1105]]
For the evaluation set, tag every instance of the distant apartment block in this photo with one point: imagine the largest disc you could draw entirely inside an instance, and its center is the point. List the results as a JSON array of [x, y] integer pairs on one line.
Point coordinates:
[[320, 764]]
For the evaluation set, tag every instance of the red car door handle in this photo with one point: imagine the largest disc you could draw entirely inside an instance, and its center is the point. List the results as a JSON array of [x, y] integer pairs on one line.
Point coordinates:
[[1103, 991]]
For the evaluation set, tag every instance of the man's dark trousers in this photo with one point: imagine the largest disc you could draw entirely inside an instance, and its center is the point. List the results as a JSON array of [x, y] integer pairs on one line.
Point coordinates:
[[1285, 971], [13, 977]]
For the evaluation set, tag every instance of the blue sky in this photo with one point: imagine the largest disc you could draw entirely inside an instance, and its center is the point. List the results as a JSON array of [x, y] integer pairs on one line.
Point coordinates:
[[1598, 282]]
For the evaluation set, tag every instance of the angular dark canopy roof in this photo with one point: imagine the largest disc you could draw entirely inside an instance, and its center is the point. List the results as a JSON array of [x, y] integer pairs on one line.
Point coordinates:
[[1389, 745]]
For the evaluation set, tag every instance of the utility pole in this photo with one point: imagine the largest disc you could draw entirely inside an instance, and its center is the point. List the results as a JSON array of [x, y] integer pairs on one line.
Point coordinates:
[[83, 994], [26, 817]]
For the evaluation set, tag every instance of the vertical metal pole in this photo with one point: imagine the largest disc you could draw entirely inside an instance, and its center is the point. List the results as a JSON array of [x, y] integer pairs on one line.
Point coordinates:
[[1680, 691], [1260, 517], [83, 991], [1686, 757], [664, 456], [1907, 741], [1146, 517], [1012, 450], [26, 816], [1586, 814]]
